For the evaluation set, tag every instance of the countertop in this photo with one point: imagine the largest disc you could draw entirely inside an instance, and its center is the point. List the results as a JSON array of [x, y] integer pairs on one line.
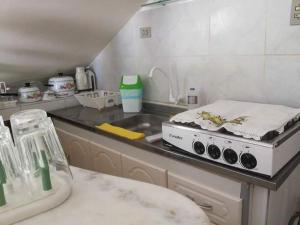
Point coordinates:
[[87, 118], [107, 200]]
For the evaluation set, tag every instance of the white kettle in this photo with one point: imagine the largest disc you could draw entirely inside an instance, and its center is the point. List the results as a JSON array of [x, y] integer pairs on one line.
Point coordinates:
[[85, 79]]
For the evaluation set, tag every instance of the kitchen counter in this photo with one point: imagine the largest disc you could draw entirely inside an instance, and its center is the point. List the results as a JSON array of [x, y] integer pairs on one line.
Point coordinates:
[[107, 200], [87, 118], [51, 105]]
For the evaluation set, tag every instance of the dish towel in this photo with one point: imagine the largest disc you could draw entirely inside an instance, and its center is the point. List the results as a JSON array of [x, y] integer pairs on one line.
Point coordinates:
[[131, 135], [250, 120]]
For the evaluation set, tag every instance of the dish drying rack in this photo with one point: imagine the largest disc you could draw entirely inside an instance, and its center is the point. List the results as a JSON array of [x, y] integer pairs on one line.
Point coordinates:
[[99, 99], [34, 172]]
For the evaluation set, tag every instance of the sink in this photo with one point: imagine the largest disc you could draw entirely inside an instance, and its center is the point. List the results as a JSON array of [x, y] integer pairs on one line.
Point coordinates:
[[149, 124]]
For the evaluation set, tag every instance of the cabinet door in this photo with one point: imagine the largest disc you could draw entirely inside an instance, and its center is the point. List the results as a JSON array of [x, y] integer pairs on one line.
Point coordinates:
[[221, 208], [76, 149], [105, 160], [142, 171]]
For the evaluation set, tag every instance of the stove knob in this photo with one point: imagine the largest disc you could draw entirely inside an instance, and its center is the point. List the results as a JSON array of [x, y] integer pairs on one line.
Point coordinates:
[[248, 161], [214, 152], [230, 156], [199, 148]]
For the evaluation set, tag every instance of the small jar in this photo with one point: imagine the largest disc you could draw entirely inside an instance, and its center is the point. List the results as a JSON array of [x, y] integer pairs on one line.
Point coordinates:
[[193, 98]]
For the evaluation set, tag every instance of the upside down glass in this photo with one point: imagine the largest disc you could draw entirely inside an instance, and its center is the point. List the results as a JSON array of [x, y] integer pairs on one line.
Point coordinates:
[[41, 154], [10, 166]]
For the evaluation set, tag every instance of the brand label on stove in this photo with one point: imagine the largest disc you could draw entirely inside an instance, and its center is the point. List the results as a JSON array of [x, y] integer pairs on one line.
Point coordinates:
[[175, 136]]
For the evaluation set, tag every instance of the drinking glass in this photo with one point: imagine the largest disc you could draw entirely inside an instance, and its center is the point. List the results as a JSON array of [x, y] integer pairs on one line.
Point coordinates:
[[40, 151]]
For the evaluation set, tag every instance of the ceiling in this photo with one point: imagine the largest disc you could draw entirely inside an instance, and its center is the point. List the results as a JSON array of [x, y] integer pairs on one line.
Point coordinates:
[[41, 38]]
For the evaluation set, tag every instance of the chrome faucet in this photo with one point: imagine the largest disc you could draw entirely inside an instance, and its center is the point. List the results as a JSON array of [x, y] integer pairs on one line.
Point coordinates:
[[172, 98]]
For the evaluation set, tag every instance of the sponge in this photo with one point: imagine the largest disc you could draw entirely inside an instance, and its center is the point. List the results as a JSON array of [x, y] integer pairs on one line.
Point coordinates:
[[131, 135]]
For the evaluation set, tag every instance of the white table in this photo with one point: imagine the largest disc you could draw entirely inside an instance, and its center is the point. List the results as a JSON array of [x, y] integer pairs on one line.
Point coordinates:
[[99, 199]]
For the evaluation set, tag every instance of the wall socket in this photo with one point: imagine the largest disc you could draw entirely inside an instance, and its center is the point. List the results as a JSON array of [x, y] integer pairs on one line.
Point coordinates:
[[145, 32], [295, 13]]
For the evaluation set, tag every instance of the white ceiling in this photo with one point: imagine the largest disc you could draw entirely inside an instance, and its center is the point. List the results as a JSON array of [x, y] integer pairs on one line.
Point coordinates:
[[39, 38]]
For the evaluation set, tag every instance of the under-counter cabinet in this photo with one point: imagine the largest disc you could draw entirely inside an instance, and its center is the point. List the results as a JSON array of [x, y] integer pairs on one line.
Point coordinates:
[[222, 209], [86, 154], [227, 201], [139, 170], [76, 149], [105, 160]]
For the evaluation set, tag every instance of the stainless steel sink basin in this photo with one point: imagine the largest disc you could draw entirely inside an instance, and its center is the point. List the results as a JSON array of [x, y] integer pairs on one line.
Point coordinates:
[[149, 124]]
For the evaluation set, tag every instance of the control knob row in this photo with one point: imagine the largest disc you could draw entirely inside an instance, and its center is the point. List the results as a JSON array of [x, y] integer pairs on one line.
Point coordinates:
[[199, 148], [230, 156]]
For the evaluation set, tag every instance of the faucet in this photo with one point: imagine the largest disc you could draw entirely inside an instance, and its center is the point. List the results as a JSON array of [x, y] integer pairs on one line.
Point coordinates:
[[172, 98]]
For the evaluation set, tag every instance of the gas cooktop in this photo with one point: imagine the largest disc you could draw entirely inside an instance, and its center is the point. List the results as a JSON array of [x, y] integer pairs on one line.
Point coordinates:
[[265, 157]]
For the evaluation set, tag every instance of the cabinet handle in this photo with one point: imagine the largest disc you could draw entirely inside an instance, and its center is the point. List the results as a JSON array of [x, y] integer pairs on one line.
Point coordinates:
[[205, 207]]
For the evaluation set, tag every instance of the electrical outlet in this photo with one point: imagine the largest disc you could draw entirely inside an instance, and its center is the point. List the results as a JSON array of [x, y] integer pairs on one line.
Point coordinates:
[[295, 13], [145, 32]]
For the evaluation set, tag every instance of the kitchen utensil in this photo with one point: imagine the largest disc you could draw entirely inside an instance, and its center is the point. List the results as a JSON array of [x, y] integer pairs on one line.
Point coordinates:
[[154, 138], [10, 170], [40, 149], [29, 93], [62, 85], [8, 154], [33, 133], [85, 79], [98, 99], [31, 176], [92, 77]]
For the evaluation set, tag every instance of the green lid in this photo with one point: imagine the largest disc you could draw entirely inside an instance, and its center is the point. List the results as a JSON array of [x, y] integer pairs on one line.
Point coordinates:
[[131, 82]]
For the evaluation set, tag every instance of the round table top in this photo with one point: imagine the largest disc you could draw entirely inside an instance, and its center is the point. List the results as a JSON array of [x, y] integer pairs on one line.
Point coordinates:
[[99, 199]]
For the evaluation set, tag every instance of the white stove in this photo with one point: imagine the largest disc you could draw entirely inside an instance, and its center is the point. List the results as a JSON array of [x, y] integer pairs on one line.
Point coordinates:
[[263, 157]]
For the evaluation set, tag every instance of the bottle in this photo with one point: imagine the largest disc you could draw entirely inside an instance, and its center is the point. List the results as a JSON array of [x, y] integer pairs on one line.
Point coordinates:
[[193, 98]]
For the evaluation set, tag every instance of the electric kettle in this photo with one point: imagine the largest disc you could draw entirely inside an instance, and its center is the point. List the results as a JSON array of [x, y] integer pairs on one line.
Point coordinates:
[[85, 79]]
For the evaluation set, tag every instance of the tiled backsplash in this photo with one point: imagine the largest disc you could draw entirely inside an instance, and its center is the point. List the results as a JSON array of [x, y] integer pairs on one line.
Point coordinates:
[[231, 49]]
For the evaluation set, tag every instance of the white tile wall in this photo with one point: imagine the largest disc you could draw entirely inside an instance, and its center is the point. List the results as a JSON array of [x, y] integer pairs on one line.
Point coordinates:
[[231, 49], [238, 27], [281, 37]]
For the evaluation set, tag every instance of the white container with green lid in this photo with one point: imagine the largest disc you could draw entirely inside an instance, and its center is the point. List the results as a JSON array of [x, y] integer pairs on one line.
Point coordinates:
[[131, 89]]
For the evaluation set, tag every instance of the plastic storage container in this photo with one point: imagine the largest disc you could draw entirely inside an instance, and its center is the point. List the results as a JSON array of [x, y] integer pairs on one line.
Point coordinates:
[[131, 89]]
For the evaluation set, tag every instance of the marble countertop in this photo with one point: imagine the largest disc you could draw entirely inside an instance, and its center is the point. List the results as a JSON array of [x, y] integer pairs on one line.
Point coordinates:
[[107, 200], [87, 118]]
